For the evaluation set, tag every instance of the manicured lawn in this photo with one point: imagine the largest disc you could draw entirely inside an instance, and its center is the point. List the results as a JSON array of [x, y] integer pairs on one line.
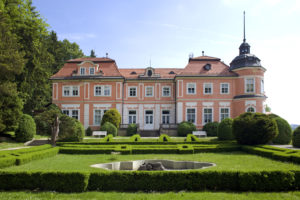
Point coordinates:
[[6, 145], [144, 139], [150, 196], [224, 161]]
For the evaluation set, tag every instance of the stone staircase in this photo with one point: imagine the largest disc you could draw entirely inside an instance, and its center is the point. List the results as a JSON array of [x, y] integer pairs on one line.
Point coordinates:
[[149, 133], [37, 142]]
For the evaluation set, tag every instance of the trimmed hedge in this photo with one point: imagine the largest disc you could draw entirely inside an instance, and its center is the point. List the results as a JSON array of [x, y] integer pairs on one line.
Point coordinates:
[[113, 116], [225, 129], [88, 131], [108, 138], [26, 129], [185, 149], [164, 138], [131, 129], [135, 138], [194, 181], [109, 128], [25, 158], [51, 181], [185, 128], [296, 137], [7, 161], [284, 131], [191, 138], [70, 129]]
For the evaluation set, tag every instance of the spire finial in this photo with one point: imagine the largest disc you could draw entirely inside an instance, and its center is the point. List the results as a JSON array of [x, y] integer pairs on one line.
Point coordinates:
[[244, 40]]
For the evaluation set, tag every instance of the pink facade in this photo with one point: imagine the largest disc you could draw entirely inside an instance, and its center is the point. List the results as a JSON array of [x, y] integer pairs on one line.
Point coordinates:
[[205, 90]]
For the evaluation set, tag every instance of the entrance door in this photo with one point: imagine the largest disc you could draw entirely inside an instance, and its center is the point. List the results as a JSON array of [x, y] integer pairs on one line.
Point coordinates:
[[149, 125]]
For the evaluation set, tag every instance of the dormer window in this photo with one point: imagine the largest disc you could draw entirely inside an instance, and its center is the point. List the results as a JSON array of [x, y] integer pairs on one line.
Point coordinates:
[[149, 73], [92, 70], [171, 72], [82, 71], [133, 73], [207, 67]]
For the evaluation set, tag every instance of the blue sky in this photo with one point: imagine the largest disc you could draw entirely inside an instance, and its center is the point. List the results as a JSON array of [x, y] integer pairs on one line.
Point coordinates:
[[166, 31]]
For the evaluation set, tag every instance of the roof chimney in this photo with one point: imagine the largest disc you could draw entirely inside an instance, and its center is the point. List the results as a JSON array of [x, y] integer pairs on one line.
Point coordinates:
[[106, 55]]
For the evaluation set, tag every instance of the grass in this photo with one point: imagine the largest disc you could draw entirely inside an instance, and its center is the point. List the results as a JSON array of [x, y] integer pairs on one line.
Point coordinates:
[[151, 196], [10, 144], [225, 161]]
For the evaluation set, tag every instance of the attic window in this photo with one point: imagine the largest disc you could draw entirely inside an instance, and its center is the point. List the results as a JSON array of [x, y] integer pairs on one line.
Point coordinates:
[[171, 72], [207, 67], [132, 73], [149, 72]]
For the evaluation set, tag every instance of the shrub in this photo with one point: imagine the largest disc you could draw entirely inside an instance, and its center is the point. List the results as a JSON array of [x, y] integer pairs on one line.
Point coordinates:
[[131, 130], [185, 128], [211, 129], [164, 138], [284, 130], [296, 137], [135, 138], [45, 120], [109, 128], [108, 138], [225, 129], [191, 138], [88, 131], [70, 129], [26, 129], [254, 128], [113, 116]]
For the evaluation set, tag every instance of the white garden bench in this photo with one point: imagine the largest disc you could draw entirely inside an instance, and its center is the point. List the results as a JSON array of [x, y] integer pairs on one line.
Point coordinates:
[[99, 133], [200, 133]]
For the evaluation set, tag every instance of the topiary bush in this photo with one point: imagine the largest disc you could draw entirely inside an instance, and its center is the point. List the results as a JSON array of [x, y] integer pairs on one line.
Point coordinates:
[[26, 129], [191, 138], [113, 116], [70, 129], [211, 129], [109, 128], [88, 131], [131, 130], [296, 137], [254, 128], [164, 138], [284, 130], [135, 138], [185, 128], [225, 129]]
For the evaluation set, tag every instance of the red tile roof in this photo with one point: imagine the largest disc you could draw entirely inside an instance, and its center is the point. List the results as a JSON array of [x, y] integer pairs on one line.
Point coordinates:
[[195, 67], [163, 72], [107, 66]]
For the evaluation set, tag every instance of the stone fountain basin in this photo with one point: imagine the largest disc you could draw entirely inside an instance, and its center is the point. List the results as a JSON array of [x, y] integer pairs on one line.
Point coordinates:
[[168, 164]]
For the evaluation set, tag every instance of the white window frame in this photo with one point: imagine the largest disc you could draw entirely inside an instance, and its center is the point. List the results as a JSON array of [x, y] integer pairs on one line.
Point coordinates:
[[169, 87], [131, 87], [92, 68], [212, 113], [186, 114], [70, 91], [250, 107], [165, 115], [220, 114], [187, 88], [152, 89], [262, 86], [246, 79], [102, 111], [132, 116], [70, 114], [102, 88], [82, 69], [228, 85], [211, 87]]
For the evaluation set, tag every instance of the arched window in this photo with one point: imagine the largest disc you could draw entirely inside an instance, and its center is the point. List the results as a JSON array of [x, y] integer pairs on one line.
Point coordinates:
[[250, 109]]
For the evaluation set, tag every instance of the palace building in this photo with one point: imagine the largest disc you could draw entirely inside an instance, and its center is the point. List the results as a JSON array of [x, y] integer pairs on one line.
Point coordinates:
[[205, 90]]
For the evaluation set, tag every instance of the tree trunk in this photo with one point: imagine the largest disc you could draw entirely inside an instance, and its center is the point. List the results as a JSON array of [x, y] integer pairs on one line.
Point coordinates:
[[55, 131]]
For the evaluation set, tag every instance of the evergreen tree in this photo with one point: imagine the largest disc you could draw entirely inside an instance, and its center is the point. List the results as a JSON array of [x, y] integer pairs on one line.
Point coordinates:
[[93, 55]]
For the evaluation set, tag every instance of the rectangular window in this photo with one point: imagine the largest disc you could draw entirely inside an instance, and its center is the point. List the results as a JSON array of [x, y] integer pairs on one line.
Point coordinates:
[[66, 91], [166, 91], [71, 113], [66, 112], [132, 117], [82, 71], [224, 88], [250, 85], [262, 86], [102, 90], [191, 88], [149, 117], [70, 91], [97, 117], [75, 114], [149, 91], [207, 115], [191, 115], [92, 70], [224, 113], [166, 117], [132, 91], [208, 88]]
